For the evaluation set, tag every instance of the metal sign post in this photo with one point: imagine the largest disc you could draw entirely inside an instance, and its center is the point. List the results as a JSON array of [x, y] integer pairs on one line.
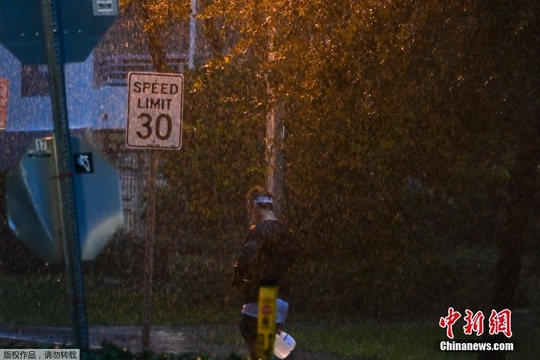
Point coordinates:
[[154, 122], [4, 97], [70, 234], [149, 249]]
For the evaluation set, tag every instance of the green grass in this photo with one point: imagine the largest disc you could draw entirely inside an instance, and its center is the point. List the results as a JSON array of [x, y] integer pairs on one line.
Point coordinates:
[[374, 340], [393, 340], [42, 300], [33, 300]]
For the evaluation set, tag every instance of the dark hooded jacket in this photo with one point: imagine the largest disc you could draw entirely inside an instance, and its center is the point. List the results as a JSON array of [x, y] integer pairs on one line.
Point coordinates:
[[267, 255]]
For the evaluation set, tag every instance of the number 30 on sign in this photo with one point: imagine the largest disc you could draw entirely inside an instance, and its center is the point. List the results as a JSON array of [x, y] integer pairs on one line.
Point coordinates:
[[155, 110]]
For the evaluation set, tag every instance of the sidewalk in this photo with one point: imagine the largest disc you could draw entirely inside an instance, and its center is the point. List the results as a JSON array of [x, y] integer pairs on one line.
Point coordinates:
[[178, 339], [162, 339]]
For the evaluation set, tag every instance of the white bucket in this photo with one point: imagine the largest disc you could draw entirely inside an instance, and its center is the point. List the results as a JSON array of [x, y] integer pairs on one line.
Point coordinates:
[[283, 345]]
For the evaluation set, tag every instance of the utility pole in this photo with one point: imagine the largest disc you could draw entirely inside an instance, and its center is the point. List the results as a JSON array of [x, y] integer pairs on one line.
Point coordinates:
[[192, 35], [275, 136]]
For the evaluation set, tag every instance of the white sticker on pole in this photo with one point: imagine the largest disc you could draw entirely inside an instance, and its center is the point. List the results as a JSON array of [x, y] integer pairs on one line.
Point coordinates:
[[155, 110], [105, 7], [4, 99]]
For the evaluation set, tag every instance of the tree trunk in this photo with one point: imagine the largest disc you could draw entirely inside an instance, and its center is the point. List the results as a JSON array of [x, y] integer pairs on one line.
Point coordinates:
[[157, 50], [517, 206]]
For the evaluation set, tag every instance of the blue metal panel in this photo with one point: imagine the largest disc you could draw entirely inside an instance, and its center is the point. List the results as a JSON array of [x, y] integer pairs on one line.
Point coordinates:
[[32, 201], [32, 213], [99, 199], [21, 28]]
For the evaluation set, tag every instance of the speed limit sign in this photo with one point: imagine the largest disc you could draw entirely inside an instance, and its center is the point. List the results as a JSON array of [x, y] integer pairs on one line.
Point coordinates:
[[155, 110]]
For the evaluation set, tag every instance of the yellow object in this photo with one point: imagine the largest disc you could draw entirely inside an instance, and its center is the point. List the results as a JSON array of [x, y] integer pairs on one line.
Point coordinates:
[[266, 324]]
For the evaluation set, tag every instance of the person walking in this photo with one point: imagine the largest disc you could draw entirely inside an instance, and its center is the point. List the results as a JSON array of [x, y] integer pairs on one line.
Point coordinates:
[[266, 255]]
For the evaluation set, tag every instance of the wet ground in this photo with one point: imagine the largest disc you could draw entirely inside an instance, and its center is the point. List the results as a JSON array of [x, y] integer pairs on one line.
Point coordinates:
[[163, 339]]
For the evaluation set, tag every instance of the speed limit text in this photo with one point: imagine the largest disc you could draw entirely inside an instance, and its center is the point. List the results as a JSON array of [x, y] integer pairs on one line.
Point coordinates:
[[155, 110], [155, 88], [150, 103]]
